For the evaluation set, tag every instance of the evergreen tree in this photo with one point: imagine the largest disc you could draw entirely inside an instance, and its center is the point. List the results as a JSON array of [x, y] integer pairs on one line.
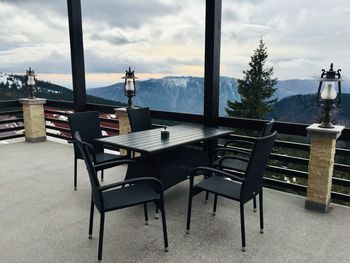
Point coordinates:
[[256, 89]]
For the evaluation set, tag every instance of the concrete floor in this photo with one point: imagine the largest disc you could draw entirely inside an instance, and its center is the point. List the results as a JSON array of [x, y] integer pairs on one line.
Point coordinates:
[[42, 219]]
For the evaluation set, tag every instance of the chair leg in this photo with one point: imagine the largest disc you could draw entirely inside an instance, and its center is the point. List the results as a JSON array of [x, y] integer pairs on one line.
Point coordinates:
[[206, 197], [101, 175], [146, 213], [242, 226], [91, 223], [75, 173], [261, 208], [215, 204], [165, 231], [189, 211], [100, 242], [254, 203], [157, 212]]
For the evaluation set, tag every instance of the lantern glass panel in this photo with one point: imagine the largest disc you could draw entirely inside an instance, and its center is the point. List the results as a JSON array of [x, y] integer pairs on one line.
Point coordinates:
[[31, 81], [129, 85], [328, 91]]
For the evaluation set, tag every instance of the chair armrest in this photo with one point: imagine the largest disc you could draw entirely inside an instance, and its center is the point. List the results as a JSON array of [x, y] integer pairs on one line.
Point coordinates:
[[110, 164], [238, 141], [91, 151], [197, 171], [155, 181]]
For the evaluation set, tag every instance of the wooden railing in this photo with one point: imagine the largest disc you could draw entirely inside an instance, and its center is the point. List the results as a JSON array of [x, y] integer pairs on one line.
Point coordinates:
[[56, 117], [287, 168], [11, 120]]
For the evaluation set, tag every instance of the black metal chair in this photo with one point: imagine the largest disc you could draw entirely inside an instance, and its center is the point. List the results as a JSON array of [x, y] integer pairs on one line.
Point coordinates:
[[140, 119], [89, 127], [227, 158], [120, 195], [241, 189], [232, 162]]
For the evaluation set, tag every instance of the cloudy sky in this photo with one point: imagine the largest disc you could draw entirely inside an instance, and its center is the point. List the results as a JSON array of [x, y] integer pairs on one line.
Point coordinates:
[[166, 37]]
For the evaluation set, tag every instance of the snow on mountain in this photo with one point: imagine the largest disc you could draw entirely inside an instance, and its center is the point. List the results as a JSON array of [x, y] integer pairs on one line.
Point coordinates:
[[181, 94], [185, 94], [11, 80]]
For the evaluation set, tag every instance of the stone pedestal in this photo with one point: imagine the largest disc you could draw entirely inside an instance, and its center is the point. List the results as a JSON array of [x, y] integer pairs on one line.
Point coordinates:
[[124, 125], [34, 119], [321, 166]]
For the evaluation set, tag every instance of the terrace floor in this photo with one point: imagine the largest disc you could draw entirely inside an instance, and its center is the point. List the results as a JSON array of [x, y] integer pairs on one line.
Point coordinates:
[[42, 219]]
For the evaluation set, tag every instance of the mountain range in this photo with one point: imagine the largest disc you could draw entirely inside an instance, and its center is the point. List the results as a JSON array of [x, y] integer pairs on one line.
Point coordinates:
[[185, 94], [13, 86], [302, 109]]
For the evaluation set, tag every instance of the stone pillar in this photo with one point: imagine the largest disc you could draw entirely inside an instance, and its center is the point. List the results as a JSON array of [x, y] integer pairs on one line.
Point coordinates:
[[321, 165], [124, 125], [34, 119]]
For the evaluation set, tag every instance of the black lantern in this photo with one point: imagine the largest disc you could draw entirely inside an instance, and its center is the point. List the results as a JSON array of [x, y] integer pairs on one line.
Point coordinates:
[[130, 86], [327, 97], [31, 83]]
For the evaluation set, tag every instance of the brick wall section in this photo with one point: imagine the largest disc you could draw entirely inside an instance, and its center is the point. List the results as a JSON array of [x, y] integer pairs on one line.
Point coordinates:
[[34, 119], [124, 125], [321, 170]]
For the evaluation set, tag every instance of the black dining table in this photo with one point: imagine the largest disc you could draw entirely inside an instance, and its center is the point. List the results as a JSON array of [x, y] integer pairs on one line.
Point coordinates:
[[170, 159]]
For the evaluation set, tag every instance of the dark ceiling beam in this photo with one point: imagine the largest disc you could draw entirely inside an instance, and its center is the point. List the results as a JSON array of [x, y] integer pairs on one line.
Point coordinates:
[[212, 61], [77, 54]]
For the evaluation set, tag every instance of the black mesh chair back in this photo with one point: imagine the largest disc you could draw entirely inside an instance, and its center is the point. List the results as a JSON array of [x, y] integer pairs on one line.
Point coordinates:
[[267, 129], [106, 198], [88, 126], [228, 185], [85, 153], [252, 183], [140, 119]]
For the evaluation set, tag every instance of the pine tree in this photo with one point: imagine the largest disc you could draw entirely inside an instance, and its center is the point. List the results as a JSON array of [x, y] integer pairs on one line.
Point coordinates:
[[256, 89]]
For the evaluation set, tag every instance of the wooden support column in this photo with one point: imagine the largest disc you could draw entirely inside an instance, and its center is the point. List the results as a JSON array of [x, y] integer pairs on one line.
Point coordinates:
[[77, 54], [212, 61]]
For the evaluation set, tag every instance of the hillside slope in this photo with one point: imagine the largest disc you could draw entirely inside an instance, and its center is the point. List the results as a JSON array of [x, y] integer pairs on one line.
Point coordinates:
[[13, 87], [185, 94], [302, 108]]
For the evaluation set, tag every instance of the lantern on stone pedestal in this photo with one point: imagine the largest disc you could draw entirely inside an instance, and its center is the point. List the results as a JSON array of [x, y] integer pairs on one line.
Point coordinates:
[[327, 97], [31, 83], [130, 86]]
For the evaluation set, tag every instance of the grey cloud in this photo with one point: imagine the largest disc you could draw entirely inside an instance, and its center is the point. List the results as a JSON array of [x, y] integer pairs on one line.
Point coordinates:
[[190, 34], [116, 13], [116, 39], [186, 61], [42, 5], [97, 64], [127, 14], [53, 63], [230, 15], [250, 1], [306, 29]]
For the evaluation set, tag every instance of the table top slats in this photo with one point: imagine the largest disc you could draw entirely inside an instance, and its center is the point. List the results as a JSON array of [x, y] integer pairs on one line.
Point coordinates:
[[150, 141]]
